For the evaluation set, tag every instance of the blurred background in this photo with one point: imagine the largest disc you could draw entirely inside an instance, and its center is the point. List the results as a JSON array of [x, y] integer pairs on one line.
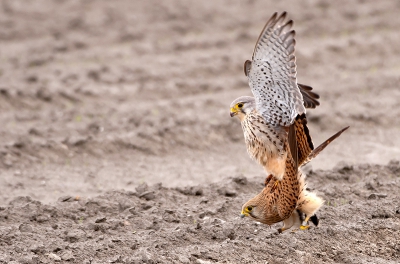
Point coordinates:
[[100, 95]]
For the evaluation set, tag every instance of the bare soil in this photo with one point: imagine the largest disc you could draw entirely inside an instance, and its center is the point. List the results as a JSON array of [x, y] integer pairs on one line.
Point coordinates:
[[117, 145]]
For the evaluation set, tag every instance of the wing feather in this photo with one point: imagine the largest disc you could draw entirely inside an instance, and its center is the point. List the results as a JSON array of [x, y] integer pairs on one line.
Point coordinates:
[[272, 73], [310, 98]]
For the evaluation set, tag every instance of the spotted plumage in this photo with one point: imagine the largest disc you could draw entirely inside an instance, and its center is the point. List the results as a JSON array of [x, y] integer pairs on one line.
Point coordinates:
[[268, 118], [275, 128]]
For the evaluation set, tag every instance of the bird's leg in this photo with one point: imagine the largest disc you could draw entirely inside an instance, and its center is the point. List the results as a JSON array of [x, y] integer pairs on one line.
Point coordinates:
[[268, 179], [274, 186], [280, 230], [304, 225], [288, 223]]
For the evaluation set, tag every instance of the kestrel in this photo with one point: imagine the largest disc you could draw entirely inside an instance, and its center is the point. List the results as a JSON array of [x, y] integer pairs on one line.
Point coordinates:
[[268, 118], [275, 128], [291, 199]]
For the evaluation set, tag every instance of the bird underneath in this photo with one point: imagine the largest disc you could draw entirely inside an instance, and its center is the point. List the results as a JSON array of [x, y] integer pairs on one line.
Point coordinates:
[[291, 199]]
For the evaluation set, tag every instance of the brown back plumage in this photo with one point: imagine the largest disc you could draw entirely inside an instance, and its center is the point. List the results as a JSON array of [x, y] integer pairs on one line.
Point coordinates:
[[300, 142], [280, 204], [303, 138]]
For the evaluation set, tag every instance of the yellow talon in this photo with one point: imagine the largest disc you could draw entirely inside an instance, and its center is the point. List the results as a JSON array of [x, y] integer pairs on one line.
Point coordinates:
[[302, 227], [274, 186]]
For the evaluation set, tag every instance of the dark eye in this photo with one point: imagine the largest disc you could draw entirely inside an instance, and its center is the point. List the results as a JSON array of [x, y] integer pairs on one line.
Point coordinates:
[[249, 208], [240, 105]]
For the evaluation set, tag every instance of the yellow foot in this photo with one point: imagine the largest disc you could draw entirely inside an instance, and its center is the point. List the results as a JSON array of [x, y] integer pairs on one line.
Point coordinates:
[[268, 179], [274, 187], [303, 227]]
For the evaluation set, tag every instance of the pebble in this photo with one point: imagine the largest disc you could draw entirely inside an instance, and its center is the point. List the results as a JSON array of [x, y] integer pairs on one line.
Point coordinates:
[[240, 180], [42, 218], [229, 192], [25, 228], [67, 255], [374, 196], [148, 196], [200, 261], [54, 257], [142, 188], [75, 235], [100, 220]]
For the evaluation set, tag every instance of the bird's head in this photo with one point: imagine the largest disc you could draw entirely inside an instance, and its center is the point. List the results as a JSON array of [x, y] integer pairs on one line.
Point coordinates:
[[253, 209], [242, 106]]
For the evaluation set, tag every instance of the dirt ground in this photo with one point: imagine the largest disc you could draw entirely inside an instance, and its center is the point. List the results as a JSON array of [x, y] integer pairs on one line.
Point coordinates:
[[117, 145]]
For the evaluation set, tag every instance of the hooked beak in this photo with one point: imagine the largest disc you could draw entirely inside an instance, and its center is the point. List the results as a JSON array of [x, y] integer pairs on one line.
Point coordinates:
[[233, 112], [244, 214]]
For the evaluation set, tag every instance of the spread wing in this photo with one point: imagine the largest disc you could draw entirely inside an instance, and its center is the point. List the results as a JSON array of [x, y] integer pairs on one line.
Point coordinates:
[[272, 73], [310, 98]]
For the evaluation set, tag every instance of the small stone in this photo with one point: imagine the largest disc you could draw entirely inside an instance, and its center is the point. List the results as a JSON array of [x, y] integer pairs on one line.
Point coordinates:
[[77, 140], [100, 220], [37, 249], [25, 228], [54, 257], [183, 259], [200, 261], [343, 167], [227, 192], [194, 190], [148, 196], [67, 198], [240, 180], [374, 196], [116, 259], [67, 255], [42, 218], [34, 131], [230, 193], [43, 94], [4, 92], [32, 79], [75, 235], [142, 188], [146, 206]]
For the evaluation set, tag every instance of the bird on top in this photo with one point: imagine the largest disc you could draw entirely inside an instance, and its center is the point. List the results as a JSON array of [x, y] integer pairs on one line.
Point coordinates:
[[268, 118]]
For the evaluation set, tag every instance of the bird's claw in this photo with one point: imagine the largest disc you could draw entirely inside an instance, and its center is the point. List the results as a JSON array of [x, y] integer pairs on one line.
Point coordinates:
[[304, 227], [274, 186]]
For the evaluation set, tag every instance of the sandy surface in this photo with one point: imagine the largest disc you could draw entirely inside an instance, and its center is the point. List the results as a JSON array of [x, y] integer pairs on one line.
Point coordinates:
[[99, 99]]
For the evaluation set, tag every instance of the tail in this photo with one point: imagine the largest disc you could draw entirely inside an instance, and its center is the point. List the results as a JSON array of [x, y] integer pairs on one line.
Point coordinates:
[[321, 147], [315, 220], [308, 202]]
